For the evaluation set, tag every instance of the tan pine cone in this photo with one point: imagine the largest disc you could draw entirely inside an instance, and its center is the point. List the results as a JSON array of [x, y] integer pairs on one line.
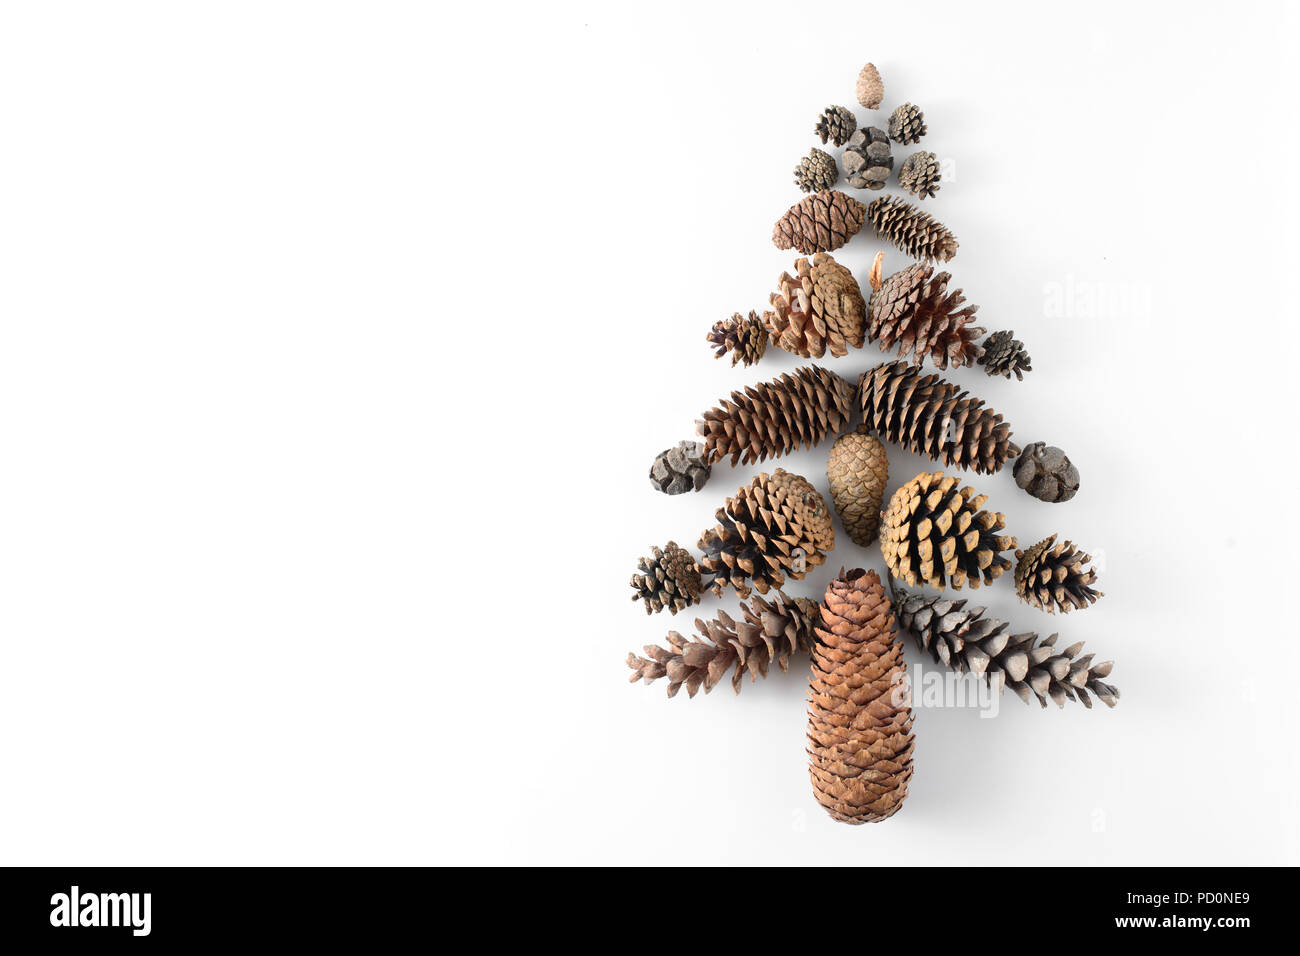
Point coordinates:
[[835, 124], [821, 222], [913, 311], [859, 722], [911, 230], [919, 174], [744, 338], [1054, 578], [816, 171], [871, 88], [819, 307], [668, 579], [906, 124], [857, 470]]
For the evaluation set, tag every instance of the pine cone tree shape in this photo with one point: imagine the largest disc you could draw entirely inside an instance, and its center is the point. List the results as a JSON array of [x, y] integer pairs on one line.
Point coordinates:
[[914, 232], [1046, 473], [816, 171], [744, 338], [819, 307], [776, 525], [1054, 578], [680, 469], [669, 579], [931, 417], [768, 632], [821, 222], [797, 410], [857, 470], [937, 533], [867, 159], [919, 174], [870, 88], [913, 312], [906, 124], [835, 124], [964, 639], [859, 725], [1005, 355]]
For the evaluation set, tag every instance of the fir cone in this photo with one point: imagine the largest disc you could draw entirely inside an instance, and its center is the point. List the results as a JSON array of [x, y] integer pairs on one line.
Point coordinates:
[[797, 410], [967, 641], [744, 338], [768, 632], [913, 311], [680, 469], [1054, 578], [867, 159], [822, 306], [1004, 354], [871, 88], [835, 124], [816, 171], [778, 524], [821, 222], [857, 470], [911, 230], [906, 124], [669, 579], [859, 723], [919, 174], [936, 533], [931, 417], [1046, 473]]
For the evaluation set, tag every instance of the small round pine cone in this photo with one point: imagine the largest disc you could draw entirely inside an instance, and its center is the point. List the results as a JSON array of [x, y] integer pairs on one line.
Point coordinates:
[[857, 470], [816, 171], [669, 579], [679, 469], [867, 159], [906, 124], [744, 338], [919, 174], [1045, 472], [1054, 578], [836, 125], [1004, 354], [871, 88]]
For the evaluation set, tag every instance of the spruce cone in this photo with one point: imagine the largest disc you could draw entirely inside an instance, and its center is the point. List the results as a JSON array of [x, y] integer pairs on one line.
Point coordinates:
[[773, 418], [1046, 473], [906, 124], [859, 724], [911, 230], [777, 524], [931, 417], [768, 632], [967, 641], [867, 159], [822, 306], [821, 222], [1053, 578], [857, 470], [1004, 354], [744, 338], [871, 88], [936, 533], [914, 311], [919, 174], [669, 579], [816, 171], [835, 124], [680, 469]]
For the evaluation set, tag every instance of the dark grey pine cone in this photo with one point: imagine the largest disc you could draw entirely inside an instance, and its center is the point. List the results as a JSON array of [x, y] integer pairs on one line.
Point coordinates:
[[867, 159], [919, 174], [1046, 473], [1005, 355], [906, 124], [836, 124], [680, 468], [816, 171]]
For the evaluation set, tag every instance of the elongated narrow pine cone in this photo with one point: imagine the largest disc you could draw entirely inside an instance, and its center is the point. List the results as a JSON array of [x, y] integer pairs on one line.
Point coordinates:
[[680, 469], [816, 171], [937, 533], [668, 579], [931, 417], [867, 159], [857, 470], [964, 639], [819, 307], [1053, 578], [821, 222], [913, 312], [859, 723], [870, 88], [836, 124], [919, 174], [796, 410], [745, 338], [1045, 472], [911, 230], [768, 632], [1004, 354], [906, 124]]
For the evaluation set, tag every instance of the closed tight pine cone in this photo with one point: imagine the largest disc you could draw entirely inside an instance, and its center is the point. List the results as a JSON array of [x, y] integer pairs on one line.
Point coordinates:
[[867, 159], [1046, 472], [857, 470], [822, 222], [819, 307], [913, 312], [1052, 577], [668, 579], [680, 469]]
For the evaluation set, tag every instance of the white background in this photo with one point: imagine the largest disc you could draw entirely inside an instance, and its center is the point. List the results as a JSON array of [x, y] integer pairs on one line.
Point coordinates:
[[336, 340]]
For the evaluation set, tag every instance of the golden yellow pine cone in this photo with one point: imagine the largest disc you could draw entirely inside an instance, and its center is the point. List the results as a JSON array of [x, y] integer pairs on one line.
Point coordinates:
[[858, 470]]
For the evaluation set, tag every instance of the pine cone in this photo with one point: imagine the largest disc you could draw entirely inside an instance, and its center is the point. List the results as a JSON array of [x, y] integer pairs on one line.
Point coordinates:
[[871, 88], [931, 417], [906, 124], [669, 579], [774, 418], [919, 174], [911, 230], [967, 641], [914, 311], [821, 222], [1053, 578], [768, 632], [859, 724], [835, 124], [1003, 354], [816, 171], [867, 159], [680, 468], [821, 306], [936, 533], [857, 470], [744, 338], [1046, 473]]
